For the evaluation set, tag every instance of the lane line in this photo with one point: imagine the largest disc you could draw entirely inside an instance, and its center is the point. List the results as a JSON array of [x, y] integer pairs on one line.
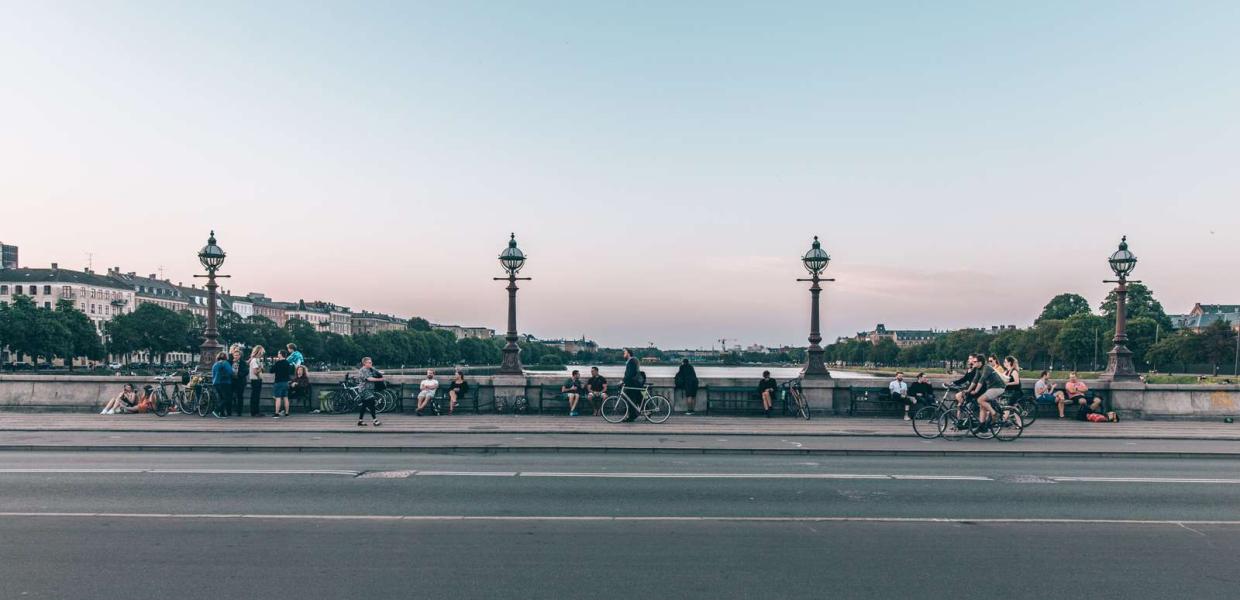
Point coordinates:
[[186, 471], [703, 475], [1143, 480], [605, 518]]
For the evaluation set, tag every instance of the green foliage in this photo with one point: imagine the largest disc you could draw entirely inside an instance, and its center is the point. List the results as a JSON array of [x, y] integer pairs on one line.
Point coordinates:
[[80, 337], [1062, 307], [1080, 342], [418, 324], [150, 328], [1140, 303]]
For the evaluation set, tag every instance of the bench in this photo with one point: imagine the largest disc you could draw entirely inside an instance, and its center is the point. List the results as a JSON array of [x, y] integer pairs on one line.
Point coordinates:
[[1051, 409], [551, 398], [880, 399], [739, 400]]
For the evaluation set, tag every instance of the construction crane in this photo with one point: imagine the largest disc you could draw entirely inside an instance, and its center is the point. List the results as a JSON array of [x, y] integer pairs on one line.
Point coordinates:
[[723, 344]]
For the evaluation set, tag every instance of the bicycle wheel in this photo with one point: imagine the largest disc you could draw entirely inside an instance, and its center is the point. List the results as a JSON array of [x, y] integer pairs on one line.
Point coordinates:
[[926, 422], [161, 404], [1009, 426], [953, 425], [381, 402], [392, 399], [176, 400], [206, 401], [657, 409], [1028, 412], [615, 409], [188, 402], [802, 405], [986, 431]]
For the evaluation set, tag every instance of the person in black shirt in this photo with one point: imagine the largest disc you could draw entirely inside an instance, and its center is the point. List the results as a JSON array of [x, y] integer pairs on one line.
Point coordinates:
[[596, 388], [633, 382], [282, 372], [572, 390], [766, 389], [687, 383], [921, 391], [967, 379], [456, 390]]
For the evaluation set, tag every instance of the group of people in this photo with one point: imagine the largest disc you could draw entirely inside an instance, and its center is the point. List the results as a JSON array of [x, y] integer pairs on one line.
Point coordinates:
[[232, 374], [988, 379]]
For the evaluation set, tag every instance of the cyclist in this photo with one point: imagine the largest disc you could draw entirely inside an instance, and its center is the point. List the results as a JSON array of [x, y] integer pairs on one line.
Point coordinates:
[[1012, 385], [633, 380], [988, 385], [966, 381], [368, 376]]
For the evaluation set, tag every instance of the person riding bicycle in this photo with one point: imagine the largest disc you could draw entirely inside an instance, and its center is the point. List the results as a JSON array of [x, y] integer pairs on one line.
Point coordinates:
[[368, 376], [966, 381], [988, 385], [1011, 388], [633, 383]]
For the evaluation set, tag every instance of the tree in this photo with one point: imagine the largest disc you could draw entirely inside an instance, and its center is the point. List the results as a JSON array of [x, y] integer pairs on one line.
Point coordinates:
[[150, 328], [418, 324], [1217, 343], [1062, 307], [81, 338], [1179, 349], [308, 339], [885, 352], [1139, 303], [30, 330], [1079, 341]]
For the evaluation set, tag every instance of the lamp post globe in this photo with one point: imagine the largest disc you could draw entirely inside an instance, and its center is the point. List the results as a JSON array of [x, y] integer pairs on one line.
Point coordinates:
[[815, 261], [1119, 359], [512, 259], [212, 258]]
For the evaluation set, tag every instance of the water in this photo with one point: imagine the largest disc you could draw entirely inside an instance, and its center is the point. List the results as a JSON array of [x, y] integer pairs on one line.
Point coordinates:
[[703, 372]]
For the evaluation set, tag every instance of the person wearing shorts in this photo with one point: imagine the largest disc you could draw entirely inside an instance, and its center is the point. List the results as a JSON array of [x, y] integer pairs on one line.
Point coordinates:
[[596, 391], [1043, 389], [426, 391], [282, 372]]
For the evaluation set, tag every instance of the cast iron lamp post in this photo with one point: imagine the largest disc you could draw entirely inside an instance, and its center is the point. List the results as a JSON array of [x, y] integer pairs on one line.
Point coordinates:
[[212, 258], [815, 261], [512, 259], [1119, 361]]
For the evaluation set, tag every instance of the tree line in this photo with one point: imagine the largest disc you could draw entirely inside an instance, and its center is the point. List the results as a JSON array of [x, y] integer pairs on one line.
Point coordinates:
[[1067, 334]]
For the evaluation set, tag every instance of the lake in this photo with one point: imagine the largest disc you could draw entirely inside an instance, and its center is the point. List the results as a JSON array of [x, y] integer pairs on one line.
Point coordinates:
[[703, 372]]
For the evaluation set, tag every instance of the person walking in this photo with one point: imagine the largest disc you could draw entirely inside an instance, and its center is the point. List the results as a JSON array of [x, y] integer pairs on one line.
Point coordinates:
[[256, 379], [233, 402], [687, 383], [369, 376], [632, 379], [222, 381], [281, 372]]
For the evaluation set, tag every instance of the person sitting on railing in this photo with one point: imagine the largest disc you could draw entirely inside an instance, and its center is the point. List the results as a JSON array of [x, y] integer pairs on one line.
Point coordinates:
[[766, 389], [1043, 389], [456, 390]]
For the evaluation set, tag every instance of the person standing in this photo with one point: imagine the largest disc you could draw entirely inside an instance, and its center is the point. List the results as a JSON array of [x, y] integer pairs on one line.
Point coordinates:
[[294, 356], [687, 383], [368, 376], [632, 383], [222, 381], [281, 372], [256, 379], [233, 402], [596, 391], [766, 389], [572, 390]]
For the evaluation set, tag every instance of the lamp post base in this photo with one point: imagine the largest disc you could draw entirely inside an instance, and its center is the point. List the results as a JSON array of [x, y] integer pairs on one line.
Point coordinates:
[[815, 367], [207, 353], [511, 364], [1119, 365]]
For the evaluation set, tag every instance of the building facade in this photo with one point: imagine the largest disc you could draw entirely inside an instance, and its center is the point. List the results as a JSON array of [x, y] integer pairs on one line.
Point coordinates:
[[903, 338], [8, 256], [1204, 315], [481, 333], [99, 297], [365, 322]]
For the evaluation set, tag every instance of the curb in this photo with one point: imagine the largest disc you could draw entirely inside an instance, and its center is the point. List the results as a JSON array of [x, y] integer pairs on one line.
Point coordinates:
[[605, 450]]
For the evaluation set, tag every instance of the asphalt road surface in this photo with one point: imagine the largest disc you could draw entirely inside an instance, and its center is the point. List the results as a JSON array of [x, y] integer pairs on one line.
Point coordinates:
[[357, 525]]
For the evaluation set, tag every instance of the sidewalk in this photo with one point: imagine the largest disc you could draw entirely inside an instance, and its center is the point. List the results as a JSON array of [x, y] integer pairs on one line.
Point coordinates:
[[506, 433]]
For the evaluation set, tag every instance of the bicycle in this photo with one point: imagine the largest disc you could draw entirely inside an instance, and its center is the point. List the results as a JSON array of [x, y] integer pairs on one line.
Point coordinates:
[[165, 401], [654, 408], [1004, 425], [799, 405], [926, 419], [1025, 405], [199, 396]]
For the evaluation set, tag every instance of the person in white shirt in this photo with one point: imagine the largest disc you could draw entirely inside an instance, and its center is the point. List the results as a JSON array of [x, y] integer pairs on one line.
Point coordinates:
[[899, 392], [256, 379], [427, 391]]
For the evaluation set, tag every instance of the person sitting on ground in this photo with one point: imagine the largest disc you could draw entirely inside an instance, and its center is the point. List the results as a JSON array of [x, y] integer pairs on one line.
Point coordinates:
[[572, 390], [1097, 417], [766, 389], [128, 398], [899, 392], [428, 388], [1074, 392], [299, 387], [456, 390], [597, 386], [921, 391], [1043, 389]]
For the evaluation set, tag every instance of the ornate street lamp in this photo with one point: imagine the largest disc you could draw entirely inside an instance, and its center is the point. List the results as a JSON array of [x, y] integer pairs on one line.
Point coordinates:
[[512, 259], [815, 261], [1119, 360], [212, 258]]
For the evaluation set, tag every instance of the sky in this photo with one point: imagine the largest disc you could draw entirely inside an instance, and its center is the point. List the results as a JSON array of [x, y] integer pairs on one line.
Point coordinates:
[[664, 165]]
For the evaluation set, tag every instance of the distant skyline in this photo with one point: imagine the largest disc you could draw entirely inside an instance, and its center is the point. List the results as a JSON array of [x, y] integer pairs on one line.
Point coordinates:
[[663, 166]]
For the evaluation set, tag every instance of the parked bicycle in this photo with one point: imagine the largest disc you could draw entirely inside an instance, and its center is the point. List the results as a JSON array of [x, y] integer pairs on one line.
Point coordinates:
[[653, 407], [791, 390], [164, 401]]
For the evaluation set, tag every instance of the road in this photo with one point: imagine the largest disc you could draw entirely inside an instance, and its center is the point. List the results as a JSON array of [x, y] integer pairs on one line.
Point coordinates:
[[377, 525]]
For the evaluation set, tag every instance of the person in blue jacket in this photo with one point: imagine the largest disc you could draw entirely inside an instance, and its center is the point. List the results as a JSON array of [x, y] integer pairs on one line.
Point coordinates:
[[222, 381]]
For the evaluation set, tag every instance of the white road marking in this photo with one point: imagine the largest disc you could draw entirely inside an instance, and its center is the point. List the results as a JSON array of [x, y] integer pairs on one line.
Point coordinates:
[[1143, 480], [188, 471], [942, 477], [466, 473], [705, 475], [607, 518]]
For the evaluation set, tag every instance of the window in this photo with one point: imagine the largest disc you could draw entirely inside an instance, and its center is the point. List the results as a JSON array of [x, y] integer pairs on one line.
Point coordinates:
[[92, 309], [18, 289], [47, 290], [47, 305], [4, 289], [66, 291]]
